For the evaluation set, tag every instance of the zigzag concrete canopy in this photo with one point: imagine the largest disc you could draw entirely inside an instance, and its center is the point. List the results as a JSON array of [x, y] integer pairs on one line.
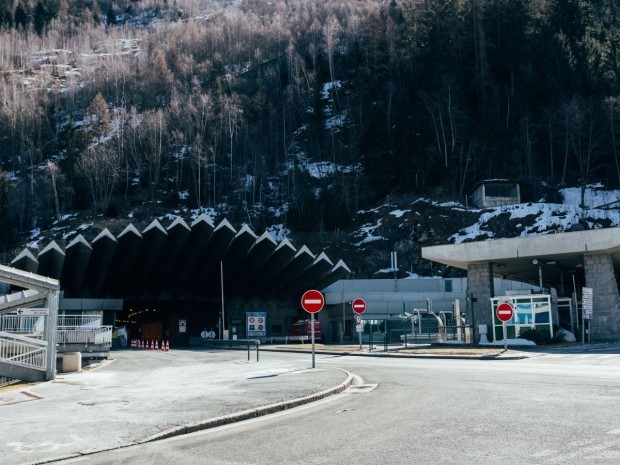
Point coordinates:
[[182, 262]]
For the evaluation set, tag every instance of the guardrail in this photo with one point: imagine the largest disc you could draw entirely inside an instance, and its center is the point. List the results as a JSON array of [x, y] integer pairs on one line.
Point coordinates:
[[21, 324], [82, 335], [235, 344], [5, 381], [285, 339], [71, 329], [23, 351], [78, 321]]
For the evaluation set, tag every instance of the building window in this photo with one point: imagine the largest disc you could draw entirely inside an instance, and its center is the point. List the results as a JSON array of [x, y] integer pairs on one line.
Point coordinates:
[[448, 285]]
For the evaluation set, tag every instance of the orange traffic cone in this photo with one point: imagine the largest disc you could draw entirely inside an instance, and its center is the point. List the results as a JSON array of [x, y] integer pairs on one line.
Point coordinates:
[[167, 346], [163, 346], [156, 345], [141, 344]]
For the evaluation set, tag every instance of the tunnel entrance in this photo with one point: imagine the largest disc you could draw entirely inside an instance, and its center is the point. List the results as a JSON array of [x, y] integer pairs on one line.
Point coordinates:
[[175, 321]]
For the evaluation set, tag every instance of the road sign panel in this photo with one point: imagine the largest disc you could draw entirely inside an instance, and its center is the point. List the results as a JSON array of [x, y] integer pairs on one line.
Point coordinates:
[[359, 306], [33, 311], [504, 311], [312, 301]]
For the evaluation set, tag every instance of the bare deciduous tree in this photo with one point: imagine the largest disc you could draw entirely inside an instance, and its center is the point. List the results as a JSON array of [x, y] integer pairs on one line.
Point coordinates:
[[100, 168]]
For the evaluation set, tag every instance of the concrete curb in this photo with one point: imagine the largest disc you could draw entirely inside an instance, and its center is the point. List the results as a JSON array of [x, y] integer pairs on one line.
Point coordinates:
[[398, 355], [249, 414]]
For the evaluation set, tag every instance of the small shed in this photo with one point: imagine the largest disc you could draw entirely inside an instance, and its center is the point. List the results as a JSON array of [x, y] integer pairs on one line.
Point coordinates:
[[495, 193]]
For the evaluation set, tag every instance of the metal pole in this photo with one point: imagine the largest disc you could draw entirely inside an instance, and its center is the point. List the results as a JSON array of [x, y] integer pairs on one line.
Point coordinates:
[[540, 281], [473, 324], [312, 332], [360, 332], [404, 325], [583, 328], [428, 319], [575, 302], [222, 286], [505, 336], [342, 331], [385, 336]]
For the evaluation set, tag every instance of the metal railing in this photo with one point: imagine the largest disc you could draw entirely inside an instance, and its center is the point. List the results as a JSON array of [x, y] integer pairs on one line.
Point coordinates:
[[78, 321], [23, 351], [84, 335], [71, 329], [5, 381], [21, 324], [235, 344]]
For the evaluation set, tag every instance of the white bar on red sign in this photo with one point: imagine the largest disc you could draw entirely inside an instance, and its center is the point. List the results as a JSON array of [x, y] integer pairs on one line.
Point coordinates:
[[312, 301]]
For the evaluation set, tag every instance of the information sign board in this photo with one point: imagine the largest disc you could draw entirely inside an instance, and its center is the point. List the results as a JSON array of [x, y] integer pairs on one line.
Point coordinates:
[[256, 324]]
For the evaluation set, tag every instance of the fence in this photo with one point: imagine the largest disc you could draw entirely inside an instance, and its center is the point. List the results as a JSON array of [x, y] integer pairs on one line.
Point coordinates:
[[21, 324], [5, 381], [71, 329], [23, 351], [235, 344], [78, 321], [81, 335]]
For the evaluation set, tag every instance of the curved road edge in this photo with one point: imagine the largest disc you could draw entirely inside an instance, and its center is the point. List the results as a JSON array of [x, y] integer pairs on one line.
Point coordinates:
[[250, 413]]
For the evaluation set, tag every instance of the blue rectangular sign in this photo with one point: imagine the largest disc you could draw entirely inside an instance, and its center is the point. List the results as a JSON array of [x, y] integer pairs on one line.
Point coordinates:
[[256, 324]]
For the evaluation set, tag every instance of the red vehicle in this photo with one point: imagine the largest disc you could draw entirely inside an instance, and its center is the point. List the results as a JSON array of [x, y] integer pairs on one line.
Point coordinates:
[[304, 328]]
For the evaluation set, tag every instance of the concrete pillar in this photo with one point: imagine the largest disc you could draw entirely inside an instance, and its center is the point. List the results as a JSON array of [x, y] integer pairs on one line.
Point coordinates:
[[50, 333], [599, 273], [480, 284]]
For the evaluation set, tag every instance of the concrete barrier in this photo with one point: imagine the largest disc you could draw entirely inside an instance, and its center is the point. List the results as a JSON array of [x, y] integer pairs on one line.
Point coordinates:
[[72, 362]]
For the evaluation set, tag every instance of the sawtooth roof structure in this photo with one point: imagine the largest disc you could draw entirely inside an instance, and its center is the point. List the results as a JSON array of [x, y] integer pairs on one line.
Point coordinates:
[[182, 262]]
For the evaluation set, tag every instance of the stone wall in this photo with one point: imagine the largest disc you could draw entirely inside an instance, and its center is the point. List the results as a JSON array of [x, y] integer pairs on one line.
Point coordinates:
[[599, 273], [480, 284]]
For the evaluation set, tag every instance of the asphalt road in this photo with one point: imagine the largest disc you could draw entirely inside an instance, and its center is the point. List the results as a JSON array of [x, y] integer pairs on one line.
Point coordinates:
[[413, 411]]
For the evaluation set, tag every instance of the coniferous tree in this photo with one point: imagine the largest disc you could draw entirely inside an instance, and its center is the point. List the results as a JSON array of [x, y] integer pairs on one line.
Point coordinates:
[[22, 17], [6, 15]]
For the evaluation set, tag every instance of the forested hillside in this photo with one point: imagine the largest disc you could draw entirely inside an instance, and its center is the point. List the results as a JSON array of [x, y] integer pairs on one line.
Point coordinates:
[[298, 112]]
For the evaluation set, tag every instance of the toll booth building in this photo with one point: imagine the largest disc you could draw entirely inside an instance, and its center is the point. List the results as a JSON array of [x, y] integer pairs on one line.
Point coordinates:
[[182, 282], [432, 310], [576, 274]]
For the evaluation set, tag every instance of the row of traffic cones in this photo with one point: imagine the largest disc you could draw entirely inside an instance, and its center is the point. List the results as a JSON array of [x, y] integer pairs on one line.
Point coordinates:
[[150, 345]]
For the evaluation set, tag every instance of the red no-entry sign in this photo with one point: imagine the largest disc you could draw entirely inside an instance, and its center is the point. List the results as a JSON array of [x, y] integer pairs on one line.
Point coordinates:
[[312, 301], [359, 306], [504, 311]]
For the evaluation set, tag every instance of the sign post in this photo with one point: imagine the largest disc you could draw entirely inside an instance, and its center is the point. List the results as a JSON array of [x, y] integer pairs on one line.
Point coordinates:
[[359, 307], [504, 312], [312, 302]]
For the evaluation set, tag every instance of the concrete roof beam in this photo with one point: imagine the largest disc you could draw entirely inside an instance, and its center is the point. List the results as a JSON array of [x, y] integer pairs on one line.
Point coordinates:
[[218, 245], [51, 260], [26, 261], [78, 254], [126, 251]]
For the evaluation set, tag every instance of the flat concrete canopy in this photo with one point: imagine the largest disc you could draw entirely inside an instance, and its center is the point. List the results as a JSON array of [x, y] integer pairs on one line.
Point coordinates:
[[182, 262], [556, 255]]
